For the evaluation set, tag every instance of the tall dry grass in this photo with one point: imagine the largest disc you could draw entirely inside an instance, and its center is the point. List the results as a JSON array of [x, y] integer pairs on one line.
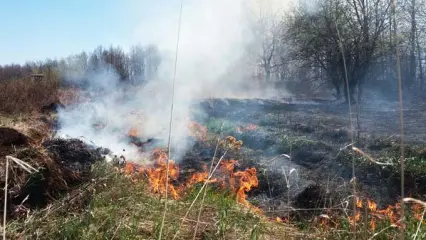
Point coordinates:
[[18, 96]]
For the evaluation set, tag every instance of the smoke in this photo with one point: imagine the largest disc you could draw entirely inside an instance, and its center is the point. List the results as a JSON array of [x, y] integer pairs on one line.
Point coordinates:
[[212, 62]]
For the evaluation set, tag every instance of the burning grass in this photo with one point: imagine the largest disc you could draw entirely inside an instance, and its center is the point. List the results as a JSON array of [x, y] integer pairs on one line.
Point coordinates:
[[239, 182], [119, 208], [372, 222]]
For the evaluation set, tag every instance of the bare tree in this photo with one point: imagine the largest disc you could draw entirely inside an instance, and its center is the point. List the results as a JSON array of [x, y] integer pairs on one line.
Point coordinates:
[[355, 25]]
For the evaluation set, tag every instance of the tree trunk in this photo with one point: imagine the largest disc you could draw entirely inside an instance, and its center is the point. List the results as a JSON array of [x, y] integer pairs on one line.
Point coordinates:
[[267, 73], [412, 73], [420, 64], [336, 86]]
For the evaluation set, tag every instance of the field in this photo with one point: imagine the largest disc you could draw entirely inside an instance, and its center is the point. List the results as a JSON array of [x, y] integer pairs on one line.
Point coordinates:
[[302, 156]]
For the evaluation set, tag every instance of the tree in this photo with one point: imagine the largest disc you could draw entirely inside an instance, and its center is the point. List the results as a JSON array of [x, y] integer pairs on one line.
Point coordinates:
[[152, 62], [341, 38], [137, 64]]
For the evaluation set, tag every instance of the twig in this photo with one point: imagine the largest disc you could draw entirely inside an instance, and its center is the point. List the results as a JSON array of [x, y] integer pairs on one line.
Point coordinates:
[[170, 124], [371, 159], [414, 200], [22, 164], [28, 168], [384, 229], [5, 199], [116, 230], [401, 116], [420, 224], [199, 192], [349, 96], [205, 189]]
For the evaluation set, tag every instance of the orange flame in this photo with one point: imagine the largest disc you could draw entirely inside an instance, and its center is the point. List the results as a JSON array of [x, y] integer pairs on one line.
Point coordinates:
[[197, 130], [248, 179], [133, 132], [240, 182], [157, 175], [358, 203], [371, 205], [373, 224], [352, 220], [248, 127]]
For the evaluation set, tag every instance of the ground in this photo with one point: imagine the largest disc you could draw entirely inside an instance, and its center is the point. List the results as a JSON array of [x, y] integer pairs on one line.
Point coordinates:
[[315, 136]]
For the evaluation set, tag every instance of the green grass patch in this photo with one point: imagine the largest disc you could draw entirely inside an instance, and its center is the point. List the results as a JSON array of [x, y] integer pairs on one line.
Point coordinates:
[[293, 143]]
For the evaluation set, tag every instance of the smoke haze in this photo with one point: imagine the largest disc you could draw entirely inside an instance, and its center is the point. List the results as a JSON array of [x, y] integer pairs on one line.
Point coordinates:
[[212, 62]]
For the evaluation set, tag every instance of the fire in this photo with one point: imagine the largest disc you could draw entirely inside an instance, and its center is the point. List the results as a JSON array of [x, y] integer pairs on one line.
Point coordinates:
[[247, 180], [248, 127], [358, 203], [391, 213], [353, 219], [129, 168], [133, 132], [198, 178], [240, 182], [373, 224], [157, 175], [371, 205], [197, 130]]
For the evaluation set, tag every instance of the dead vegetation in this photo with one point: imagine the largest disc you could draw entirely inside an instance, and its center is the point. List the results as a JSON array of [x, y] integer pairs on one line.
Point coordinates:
[[20, 96]]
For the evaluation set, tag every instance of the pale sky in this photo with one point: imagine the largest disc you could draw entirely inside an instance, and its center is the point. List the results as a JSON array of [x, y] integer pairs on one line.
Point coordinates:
[[41, 29]]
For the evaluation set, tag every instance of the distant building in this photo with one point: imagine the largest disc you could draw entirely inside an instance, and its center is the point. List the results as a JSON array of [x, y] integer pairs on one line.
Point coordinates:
[[37, 76]]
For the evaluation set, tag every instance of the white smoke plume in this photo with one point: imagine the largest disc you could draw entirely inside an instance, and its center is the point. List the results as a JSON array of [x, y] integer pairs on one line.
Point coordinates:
[[211, 63]]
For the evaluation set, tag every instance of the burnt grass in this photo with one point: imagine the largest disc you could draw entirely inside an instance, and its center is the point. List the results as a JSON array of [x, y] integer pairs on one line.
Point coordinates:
[[314, 135]]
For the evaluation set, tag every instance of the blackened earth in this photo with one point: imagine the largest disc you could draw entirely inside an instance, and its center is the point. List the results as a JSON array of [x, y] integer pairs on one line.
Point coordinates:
[[316, 136]]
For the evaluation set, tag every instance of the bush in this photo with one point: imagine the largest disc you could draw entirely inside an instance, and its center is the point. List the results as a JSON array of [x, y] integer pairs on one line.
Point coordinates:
[[26, 96]]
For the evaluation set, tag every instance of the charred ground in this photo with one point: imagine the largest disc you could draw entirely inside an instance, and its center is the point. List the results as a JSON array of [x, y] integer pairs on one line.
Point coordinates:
[[316, 136]]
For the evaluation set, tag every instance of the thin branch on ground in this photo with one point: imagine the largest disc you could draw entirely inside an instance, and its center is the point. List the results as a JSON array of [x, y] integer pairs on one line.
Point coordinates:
[[371, 159]]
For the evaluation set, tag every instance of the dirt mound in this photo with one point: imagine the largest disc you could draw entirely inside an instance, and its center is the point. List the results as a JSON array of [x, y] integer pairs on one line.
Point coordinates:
[[61, 165], [9, 139], [29, 190], [74, 154]]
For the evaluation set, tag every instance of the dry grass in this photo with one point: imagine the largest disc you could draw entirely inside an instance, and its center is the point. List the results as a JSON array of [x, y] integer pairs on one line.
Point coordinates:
[[119, 208], [21, 96]]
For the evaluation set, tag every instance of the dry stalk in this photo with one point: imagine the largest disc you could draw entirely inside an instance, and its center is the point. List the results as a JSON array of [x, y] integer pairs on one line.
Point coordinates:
[[401, 115], [170, 123], [205, 189], [371, 159], [407, 200], [350, 120], [28, 168], [420, 224], [5, 198], [379, 232], [199, 192]]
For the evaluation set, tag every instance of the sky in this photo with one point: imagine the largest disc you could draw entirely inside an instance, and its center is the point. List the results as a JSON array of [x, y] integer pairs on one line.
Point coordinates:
[[37, 30]]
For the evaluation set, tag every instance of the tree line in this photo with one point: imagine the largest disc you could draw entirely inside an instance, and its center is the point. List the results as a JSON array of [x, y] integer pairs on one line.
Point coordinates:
[[340, 45], [346, 45], [137, 65]]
